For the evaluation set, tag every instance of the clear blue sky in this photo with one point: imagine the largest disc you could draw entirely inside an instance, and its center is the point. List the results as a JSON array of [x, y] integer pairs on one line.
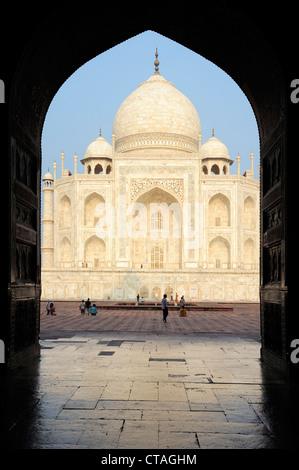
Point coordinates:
[[90, 98]]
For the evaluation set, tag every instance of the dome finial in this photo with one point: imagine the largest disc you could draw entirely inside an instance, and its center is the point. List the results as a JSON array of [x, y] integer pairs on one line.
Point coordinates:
[[100, 133], [213, 132], [156, 63]]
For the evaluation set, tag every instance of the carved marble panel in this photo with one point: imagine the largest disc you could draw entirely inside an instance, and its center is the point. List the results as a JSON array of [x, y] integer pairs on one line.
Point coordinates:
[[174, 186]]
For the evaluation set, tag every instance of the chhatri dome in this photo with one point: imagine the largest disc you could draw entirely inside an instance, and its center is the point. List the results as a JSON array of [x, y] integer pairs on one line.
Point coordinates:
[[98, 148], [98, 156], [214, 148], [157, 116]]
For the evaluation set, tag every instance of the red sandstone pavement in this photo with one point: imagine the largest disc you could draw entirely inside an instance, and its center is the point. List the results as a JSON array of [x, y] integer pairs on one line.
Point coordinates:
[[242, 320]]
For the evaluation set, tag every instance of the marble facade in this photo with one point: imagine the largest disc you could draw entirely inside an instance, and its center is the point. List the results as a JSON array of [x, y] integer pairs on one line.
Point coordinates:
[[155, 212]]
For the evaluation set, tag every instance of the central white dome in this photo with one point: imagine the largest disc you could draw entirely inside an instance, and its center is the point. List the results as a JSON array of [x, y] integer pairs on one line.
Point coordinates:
[[156, 116]]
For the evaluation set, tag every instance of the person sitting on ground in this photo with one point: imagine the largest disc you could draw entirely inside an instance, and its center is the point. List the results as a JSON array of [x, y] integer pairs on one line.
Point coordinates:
[[93, 310]]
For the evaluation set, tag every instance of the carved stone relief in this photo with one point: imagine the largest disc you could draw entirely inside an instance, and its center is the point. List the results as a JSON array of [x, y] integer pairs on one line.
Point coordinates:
[[272, 169], [272, 264], [25, 215], [26, 168], [175, 186], [26, 262]]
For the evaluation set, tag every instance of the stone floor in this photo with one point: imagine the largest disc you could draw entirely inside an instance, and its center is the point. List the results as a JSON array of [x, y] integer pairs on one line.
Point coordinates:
[[129, 381]]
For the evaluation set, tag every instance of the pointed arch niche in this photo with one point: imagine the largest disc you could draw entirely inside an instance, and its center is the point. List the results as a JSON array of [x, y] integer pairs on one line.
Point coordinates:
[[219, 253], [162, 228], [249, 254], [249, 213], [219, 211], [95, 252], [91, 204], [65, 214], [65, 253]]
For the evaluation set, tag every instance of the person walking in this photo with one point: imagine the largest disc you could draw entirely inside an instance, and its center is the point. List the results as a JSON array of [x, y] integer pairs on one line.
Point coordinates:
[[182, 307], [82, 307], [164, 308], [48, 307], [87, 306]]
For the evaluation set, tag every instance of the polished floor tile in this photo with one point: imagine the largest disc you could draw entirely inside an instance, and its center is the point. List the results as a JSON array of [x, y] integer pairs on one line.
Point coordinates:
[[154, 390]]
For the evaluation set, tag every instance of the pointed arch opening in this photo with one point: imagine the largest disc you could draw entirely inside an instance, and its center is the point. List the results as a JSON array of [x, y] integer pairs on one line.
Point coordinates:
[[95, 252], [91, 203], [219, 211], [163, 227], [42, 69], [219, 253]]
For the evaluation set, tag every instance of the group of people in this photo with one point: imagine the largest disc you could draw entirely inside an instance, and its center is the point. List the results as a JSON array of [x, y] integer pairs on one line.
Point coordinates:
[[50, 308], [165, 308], [85, 307], [88, 309], [138, 298]]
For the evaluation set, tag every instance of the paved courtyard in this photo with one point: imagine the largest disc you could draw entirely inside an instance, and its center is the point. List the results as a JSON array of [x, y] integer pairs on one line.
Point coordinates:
[[241, 319], [126, 380]]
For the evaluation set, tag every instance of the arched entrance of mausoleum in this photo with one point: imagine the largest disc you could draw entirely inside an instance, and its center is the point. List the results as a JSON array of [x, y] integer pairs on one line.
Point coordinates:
[[54, 53]]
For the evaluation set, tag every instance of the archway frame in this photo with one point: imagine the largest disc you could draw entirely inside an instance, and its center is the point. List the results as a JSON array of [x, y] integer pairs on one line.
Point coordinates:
[[56, 50]]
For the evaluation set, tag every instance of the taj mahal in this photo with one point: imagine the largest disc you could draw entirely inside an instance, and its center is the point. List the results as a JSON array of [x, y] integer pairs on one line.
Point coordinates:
[[157, 211]]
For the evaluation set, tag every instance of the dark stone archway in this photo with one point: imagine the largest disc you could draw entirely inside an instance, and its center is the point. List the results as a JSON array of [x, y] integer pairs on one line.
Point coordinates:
[[52, 45]]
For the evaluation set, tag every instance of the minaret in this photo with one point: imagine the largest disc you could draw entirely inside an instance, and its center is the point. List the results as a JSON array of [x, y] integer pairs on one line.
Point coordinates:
[[238, 161], [75, 163], [62, 164], [48, 222], [251, 158]]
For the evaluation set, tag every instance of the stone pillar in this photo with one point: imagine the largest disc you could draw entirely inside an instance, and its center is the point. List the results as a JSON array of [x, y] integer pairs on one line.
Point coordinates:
[[55, 171], [62, 165], [251, 158], [75, 163], [238, 160]]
